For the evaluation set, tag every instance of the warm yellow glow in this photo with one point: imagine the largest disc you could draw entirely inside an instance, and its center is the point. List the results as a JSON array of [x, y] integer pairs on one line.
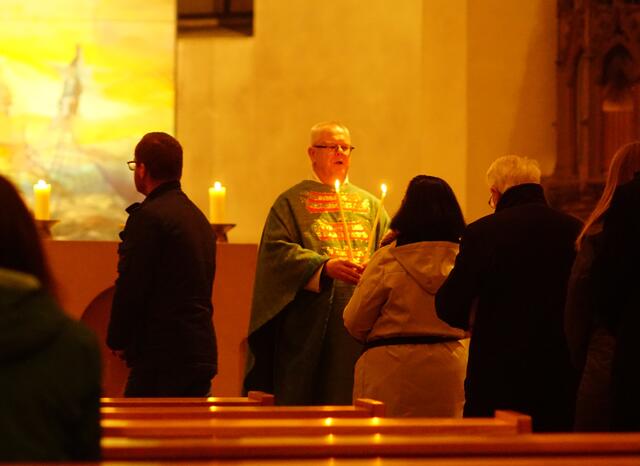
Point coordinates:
[[217, 203], [337, 185], [80, 82], [328, 421], [383, 188], [41, 198], [375, 421]]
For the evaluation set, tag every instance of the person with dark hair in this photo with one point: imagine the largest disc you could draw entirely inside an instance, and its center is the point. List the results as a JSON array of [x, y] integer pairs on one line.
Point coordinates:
[[161, 317], [413, 362], [49, 363], [508, 286]]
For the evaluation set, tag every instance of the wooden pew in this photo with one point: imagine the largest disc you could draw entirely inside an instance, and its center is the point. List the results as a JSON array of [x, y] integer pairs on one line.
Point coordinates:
[[361, 408], [505, 422], [377, 445], [543, 460], [253, 398]]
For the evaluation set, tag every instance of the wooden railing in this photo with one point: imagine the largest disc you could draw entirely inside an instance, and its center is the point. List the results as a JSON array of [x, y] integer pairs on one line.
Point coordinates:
[[362, 408], [186, 430], [378, 445], [253, 398], [505, 423]]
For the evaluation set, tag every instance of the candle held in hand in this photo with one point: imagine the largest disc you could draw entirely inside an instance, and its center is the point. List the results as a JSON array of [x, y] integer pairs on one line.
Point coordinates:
[[347, 234], [374, 225], [41, 198], [217, 203]]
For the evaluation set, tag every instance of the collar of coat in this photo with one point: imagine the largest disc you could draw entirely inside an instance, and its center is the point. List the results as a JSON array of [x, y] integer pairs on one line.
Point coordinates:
[[163, 188], [528, 193]]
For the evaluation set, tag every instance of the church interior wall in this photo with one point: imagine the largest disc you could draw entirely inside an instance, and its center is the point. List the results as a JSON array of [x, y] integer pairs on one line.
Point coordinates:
[[511, 88], [426, 86]]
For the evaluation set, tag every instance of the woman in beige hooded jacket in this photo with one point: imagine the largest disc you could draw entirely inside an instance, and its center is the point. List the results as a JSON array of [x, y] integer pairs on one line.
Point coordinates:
[[413, 361]]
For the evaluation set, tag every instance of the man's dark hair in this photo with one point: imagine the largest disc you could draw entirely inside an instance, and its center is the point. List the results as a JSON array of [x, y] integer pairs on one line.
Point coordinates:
[[161, 154], [429, 212], [20, 246]]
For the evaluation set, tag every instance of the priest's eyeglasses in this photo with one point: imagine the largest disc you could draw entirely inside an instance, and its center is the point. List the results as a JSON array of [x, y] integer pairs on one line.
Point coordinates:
[[132, 164], [345, 149]]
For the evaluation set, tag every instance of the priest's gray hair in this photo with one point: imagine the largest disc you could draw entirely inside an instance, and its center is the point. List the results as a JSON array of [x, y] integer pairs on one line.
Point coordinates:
[[326, 125], [512, 170]]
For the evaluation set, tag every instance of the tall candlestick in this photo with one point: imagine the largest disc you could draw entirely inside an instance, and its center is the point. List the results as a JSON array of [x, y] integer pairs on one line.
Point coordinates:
[[217, 202], [374, 225], [41, 197], [344, 222]]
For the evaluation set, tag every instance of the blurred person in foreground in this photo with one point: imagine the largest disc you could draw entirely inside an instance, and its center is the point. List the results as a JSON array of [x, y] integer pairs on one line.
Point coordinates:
[[49, 363]]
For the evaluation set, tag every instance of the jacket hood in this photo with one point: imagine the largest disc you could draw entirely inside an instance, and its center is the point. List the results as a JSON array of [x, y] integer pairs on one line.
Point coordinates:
[[427, 262], [27, 321]]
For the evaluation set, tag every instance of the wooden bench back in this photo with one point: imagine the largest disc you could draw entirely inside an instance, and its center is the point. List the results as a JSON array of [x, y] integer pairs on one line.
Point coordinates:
[[376, 445], [505, 423], [253, 398], [362, 408]]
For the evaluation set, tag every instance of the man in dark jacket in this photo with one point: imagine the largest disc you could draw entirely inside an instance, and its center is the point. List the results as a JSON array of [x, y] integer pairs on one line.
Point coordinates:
[[161, 318], [512, 271]]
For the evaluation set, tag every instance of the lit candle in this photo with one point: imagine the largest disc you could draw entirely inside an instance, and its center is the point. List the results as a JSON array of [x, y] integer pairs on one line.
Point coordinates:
[[41, 197], [372, 234], [344, 222], [217, 201]]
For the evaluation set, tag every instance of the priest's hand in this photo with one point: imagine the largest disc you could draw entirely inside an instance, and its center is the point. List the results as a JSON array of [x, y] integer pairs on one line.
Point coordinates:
[[345, 270]]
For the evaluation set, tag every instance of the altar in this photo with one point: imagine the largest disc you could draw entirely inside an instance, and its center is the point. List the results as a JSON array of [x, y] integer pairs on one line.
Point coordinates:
[[85, 270]]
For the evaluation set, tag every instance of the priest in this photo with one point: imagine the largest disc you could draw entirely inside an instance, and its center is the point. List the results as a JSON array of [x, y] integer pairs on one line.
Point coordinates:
[[314, 247]]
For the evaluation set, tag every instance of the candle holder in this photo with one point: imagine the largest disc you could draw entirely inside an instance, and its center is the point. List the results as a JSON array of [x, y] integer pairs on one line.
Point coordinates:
[[44, 227], [221, 229]]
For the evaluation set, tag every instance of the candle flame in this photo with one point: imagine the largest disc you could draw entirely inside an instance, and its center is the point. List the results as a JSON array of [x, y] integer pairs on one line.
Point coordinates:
[[383, 188], [217, 186], [41, 184], [337, 185]]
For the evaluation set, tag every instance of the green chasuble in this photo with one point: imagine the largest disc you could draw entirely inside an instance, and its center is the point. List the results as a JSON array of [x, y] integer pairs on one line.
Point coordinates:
[[299, 349]]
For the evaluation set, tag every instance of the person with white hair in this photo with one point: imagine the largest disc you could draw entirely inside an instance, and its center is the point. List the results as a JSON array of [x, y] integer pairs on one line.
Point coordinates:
[[508, 287]]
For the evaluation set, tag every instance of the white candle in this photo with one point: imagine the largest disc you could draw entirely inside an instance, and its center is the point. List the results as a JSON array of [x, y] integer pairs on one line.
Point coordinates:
[[41, 197], [217, 202], [374, 225], [347, 235]]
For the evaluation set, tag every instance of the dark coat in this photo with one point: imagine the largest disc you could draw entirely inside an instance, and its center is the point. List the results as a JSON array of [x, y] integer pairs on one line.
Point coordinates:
[[590, 342], [513, 268], [49, 378], [162, 311], [615, 276]]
